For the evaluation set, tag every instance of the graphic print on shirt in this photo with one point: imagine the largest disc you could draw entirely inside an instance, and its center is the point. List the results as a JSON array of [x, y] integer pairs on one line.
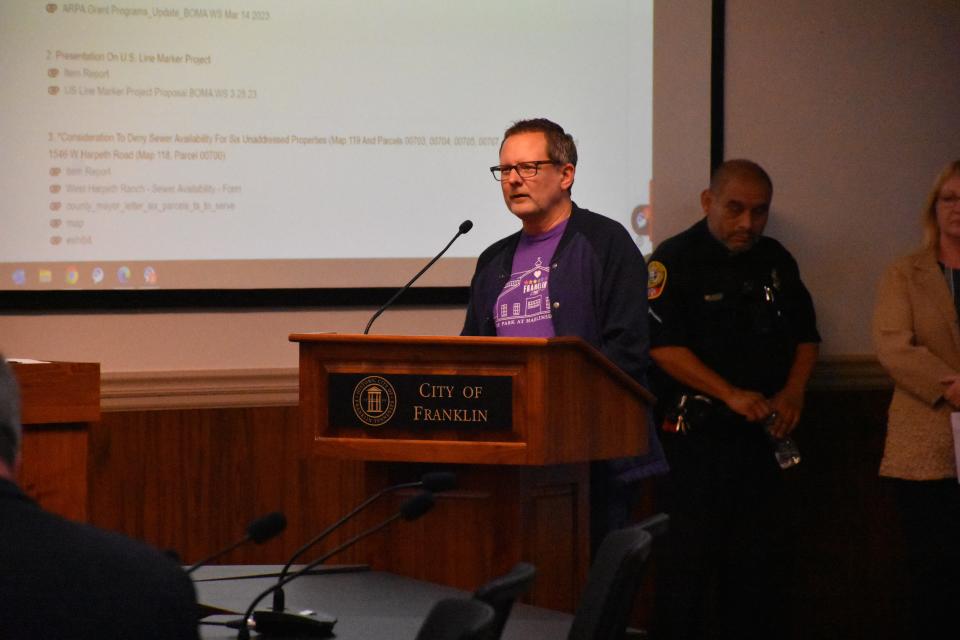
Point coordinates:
[[525, 301]]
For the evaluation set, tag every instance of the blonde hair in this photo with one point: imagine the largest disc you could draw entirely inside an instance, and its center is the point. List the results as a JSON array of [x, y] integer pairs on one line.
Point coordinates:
[[931, 230]]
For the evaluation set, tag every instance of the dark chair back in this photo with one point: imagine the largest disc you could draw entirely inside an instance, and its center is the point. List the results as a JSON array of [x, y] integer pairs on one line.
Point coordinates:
[[604, 608], [457, 619], [656, 525], [500, 593]]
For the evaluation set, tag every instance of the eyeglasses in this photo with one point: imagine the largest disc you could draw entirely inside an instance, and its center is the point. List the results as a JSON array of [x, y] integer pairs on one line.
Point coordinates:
[[949, 200], [524, 169]]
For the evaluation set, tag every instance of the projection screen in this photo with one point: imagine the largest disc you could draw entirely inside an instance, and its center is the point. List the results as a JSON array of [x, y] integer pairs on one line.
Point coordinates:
[[300, 144]]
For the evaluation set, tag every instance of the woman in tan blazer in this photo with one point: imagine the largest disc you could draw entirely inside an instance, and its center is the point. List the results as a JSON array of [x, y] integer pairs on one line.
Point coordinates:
[[917, 338]]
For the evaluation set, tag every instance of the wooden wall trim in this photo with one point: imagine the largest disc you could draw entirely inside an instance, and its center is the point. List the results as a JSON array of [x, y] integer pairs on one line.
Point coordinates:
[[227, 388], [850, 373], [230, 388]]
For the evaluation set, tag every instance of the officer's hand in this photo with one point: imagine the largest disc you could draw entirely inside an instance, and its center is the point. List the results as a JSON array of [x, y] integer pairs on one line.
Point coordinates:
[[788, 405], [951, 392], [749, 404]]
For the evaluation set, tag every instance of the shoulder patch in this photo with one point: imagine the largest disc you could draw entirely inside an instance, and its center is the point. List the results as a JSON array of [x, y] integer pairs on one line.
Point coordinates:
[[656, 279]]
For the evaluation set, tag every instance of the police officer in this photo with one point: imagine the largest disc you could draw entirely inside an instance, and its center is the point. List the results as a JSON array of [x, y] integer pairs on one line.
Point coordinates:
[[734, 338]]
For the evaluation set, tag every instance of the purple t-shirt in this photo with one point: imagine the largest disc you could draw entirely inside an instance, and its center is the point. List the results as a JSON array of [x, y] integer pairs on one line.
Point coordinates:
[[523, 307]]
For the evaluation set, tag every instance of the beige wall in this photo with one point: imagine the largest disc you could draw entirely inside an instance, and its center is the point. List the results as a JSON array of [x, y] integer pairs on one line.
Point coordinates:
[[853, 108], [199, 341]]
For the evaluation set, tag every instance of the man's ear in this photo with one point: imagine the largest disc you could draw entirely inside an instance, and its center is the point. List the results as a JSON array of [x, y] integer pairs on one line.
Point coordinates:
[[706, 199], [567, 174], [10, 473]]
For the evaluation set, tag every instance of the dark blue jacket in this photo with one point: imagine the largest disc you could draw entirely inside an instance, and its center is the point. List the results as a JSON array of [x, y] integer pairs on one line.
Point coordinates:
[[596, 261], [61, 579]]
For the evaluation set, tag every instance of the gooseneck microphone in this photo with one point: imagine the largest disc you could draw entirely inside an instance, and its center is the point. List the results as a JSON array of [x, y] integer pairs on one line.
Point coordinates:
[[284, 624], [435, 482], [465, 227], [259, 531]]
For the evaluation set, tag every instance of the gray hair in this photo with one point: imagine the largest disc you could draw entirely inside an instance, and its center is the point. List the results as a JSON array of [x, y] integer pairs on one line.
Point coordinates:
[[10, 428], [560, 144]]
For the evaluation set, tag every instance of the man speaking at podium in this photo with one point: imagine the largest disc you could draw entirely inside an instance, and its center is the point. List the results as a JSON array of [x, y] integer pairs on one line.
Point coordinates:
[[567, 272], [60, 579]]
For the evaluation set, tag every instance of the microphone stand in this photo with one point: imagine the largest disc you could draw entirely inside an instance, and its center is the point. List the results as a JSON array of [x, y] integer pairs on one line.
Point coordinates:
[[259, 531], [283, 623], [465, 226], [279, 599], [434, 482]]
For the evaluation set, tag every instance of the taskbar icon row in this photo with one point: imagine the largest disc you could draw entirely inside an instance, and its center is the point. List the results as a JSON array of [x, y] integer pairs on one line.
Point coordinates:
[[83, 276]]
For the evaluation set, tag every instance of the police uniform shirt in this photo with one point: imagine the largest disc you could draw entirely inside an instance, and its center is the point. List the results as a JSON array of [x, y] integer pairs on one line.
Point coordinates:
[[741, 314]]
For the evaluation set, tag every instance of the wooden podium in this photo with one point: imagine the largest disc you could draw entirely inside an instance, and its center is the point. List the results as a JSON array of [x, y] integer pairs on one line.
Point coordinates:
[[518, 420], [59, 401]]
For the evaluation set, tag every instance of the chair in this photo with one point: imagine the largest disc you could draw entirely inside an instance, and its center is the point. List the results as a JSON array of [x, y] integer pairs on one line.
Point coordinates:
[[604, 607], [457, 619], [656, 525], [500, 593]]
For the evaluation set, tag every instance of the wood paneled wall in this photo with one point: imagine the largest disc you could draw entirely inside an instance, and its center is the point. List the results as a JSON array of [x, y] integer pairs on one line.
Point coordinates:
[[190, 480], [849, 574]]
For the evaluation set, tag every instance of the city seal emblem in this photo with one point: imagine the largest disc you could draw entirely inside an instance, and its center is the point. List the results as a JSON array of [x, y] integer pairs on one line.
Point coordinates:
[[374, 401]]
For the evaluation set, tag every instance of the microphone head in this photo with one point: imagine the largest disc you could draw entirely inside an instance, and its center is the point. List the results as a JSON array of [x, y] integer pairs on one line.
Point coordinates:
[[438, 481], [416, 506], [266, 527], [173, 555], [466, 225]]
